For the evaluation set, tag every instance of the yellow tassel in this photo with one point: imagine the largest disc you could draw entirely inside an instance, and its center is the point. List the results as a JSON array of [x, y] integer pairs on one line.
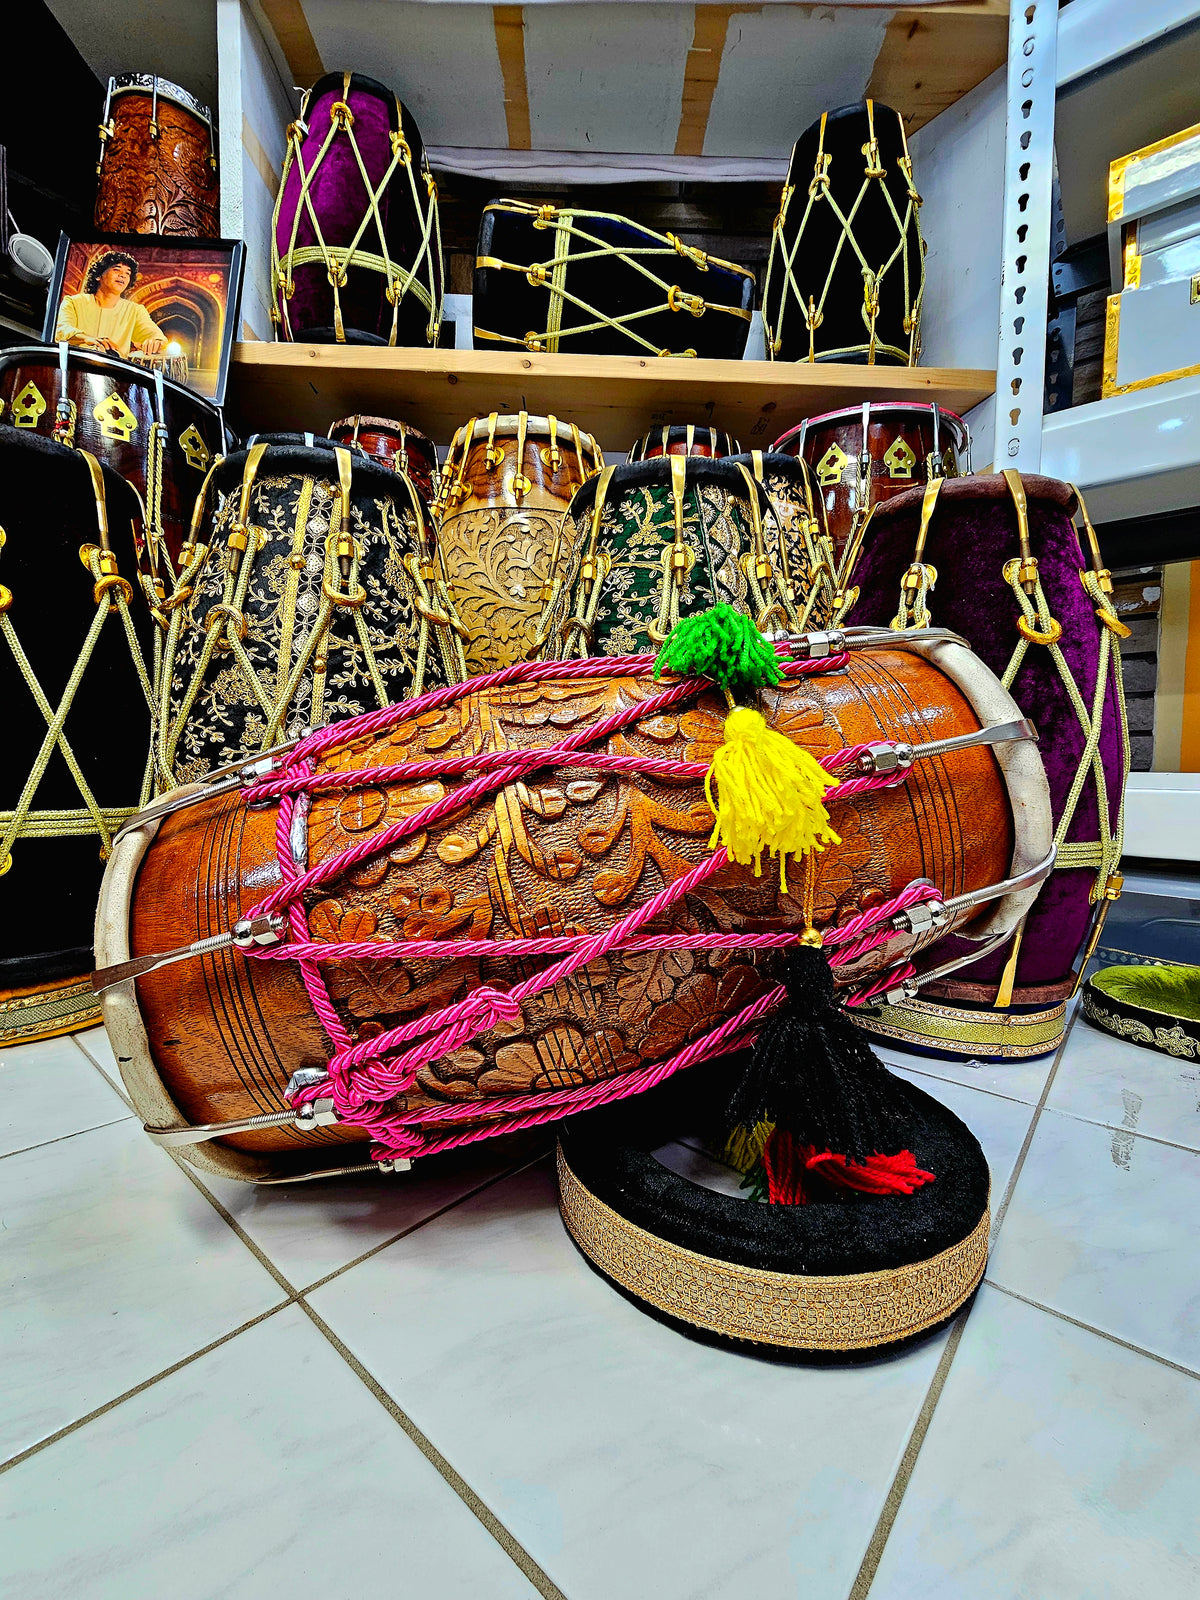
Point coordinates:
[[744, 1147], [769, 795]]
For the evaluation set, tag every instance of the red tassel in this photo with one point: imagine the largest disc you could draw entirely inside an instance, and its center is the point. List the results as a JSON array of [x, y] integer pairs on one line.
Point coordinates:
[[785, 1163], [878, 1174], [784, 1166]]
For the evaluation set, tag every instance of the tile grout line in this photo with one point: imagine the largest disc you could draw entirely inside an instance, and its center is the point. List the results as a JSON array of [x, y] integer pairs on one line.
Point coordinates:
[[62, 1138], [515, 1551], [147, 1383], [1012, 1099], [1117, 1127], [1089, 1327], [469, 1194], [869, 1566], [117, 1088]]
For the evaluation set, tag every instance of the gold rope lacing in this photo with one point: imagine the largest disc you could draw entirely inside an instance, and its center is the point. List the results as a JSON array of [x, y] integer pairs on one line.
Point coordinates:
[[112, 595], [552, 275], [765, 600], [226, 625], [816, 596], [813, 310], [337, 259], [1037, 626]]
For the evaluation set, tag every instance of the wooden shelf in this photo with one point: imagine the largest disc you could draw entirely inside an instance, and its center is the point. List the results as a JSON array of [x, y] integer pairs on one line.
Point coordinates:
[[275, 387]]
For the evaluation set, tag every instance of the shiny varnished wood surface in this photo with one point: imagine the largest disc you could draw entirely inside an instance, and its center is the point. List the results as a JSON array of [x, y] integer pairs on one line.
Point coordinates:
[[504, 533], [564, 851], [397, 445]]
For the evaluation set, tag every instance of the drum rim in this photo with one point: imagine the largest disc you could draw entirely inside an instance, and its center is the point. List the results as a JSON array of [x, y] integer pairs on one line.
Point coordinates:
[[852, 108], [985, 486], [48, 354], [144, 82], [721, 471], [320, 464], [849, 412], [379, 424], [507, 424]]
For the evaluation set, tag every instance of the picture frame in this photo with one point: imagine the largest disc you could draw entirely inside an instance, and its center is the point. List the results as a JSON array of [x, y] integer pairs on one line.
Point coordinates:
[[189, 291]]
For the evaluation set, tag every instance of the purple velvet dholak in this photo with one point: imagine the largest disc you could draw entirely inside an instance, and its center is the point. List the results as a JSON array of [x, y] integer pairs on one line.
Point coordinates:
[[341, 200], [972, 535]]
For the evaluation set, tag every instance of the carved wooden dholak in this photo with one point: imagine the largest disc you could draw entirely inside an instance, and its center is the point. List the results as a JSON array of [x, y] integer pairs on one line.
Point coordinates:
[[566, 851], [158, 166], [506, 485]]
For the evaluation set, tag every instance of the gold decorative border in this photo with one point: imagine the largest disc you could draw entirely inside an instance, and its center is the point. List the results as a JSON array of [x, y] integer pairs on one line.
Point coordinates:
[[1118, 168], [1012, 1035], [854, 1311], [47, 1013], [1112, 331]]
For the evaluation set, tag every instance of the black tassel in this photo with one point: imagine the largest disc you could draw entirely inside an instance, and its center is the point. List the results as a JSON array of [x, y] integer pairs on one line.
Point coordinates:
[[814, 1075]]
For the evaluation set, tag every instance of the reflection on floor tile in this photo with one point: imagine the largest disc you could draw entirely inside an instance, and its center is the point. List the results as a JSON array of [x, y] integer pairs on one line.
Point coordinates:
[[1102, 1227], [264, 1468], [1056, 1464], [627, 1459], [999, 1125], [1109, 1080], [1019, 1080], [50, 1089], [113, 1266], [311, 1229]]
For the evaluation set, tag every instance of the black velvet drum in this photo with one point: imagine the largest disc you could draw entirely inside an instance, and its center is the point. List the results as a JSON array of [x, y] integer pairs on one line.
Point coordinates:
[[552, 278], [70, 609], [844, 1277], [847, 268]]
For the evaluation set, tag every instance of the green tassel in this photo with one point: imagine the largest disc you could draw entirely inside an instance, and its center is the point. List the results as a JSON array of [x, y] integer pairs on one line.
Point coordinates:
[[723, 645]]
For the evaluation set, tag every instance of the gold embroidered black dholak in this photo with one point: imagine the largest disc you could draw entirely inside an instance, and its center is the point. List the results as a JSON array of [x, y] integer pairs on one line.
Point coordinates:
[[315, 591]]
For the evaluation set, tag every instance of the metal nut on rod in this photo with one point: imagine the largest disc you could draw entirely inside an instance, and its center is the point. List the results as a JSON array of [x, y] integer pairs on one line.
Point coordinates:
[[885, 758], [251, 931]]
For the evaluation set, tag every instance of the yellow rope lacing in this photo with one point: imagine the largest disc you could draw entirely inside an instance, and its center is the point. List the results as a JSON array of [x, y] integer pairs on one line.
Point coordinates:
[[337, 259], [112, 595], [552, 274], [813, 310]]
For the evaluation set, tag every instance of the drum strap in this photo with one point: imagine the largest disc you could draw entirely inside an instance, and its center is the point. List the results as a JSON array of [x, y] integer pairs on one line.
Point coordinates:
[[112, 595], [574, 242], [783, 257]]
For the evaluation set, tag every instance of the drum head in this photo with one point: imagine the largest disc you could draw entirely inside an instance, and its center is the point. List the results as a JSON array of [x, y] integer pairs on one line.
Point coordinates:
[[846, 1276]]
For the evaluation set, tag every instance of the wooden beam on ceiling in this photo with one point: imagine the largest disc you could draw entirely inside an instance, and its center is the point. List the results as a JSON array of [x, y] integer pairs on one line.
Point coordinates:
[[509, 23], [290, 26], [932, 56]]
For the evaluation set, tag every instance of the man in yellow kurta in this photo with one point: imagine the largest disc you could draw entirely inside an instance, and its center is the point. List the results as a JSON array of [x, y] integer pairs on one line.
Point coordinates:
[[101, 318]]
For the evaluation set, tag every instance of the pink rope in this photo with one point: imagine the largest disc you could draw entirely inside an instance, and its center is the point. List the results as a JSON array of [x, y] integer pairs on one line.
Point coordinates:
[[364, 1078]]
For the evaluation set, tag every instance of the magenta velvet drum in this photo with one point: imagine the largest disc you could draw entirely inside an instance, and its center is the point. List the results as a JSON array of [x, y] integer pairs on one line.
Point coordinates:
[[998, 560], [356, 254]]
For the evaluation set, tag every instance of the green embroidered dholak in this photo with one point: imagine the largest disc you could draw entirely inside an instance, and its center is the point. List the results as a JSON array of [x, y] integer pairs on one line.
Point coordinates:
[[655, 541]]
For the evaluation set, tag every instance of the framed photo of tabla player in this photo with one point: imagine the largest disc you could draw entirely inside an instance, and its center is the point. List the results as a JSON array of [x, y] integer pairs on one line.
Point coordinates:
[[163, 304]]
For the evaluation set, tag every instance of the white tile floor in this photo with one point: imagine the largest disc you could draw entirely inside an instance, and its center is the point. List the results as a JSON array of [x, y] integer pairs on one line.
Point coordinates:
[[417, 1387]]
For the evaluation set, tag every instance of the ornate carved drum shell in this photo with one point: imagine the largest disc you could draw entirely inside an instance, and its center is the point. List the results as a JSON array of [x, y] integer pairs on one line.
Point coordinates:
[[657, 540], [322, 629], [506, 484], [849, 199], [158, 162], [684, 439], [865, 455], [110, 409], [389, 283], [217, 1038], [972, 538], [48, 886], [396, 444]]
